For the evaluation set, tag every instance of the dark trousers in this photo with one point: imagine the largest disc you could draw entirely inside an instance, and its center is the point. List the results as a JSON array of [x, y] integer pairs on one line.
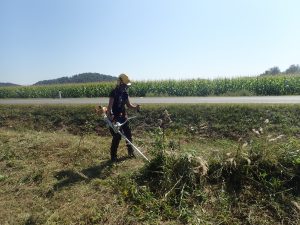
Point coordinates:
[[125, 129]]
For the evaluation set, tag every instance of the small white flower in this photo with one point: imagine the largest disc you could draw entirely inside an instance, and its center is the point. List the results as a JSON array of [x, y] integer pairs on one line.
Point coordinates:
[[267, 121], [231, 161], [248, 160], [256, 131], [275, 139]]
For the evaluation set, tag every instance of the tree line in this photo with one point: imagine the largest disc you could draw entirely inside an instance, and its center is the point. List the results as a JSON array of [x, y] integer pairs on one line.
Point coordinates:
[[293, 69]]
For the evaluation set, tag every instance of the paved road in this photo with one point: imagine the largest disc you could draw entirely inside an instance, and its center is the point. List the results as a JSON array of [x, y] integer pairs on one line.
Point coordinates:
[[295, 99]]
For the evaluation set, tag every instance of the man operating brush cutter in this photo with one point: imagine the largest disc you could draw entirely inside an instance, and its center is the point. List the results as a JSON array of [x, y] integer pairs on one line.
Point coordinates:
[[116, 117]]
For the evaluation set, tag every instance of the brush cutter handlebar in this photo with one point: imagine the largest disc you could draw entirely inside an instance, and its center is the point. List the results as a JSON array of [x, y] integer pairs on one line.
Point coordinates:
[[118, 124]]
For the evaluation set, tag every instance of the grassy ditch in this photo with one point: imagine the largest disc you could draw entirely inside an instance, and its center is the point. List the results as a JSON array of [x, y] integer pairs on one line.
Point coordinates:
[[212, 120], [210, 164]]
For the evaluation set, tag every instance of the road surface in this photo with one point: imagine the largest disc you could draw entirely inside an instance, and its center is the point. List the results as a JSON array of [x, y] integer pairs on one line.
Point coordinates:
[[295, 99]]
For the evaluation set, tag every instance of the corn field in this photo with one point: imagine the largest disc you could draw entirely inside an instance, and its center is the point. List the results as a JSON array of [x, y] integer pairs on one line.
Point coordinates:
[[279, 85]]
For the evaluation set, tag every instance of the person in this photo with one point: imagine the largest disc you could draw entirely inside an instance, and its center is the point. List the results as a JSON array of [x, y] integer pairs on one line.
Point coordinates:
[[116, 112]]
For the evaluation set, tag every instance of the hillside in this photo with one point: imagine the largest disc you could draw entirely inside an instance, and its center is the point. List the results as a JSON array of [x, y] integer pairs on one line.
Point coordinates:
[[80, 78], [8, 84]]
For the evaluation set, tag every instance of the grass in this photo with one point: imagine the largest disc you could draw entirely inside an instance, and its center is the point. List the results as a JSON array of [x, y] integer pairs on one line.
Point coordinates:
[[199, 186], [47, 178], [54, 178], [213, 164], [213, 120]]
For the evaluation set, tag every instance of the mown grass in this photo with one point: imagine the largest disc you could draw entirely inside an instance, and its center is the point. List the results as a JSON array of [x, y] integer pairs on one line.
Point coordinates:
[[49, 178]]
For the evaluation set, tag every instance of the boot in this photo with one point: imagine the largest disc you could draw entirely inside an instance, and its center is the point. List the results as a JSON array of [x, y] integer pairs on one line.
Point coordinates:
[[130, 151]]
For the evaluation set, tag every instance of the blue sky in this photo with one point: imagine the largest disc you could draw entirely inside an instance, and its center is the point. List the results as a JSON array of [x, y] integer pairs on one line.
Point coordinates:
[[148, 39]]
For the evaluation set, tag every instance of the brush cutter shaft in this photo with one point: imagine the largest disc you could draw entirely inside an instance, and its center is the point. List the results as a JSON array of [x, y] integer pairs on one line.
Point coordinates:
[[135, 148], [116, 129]]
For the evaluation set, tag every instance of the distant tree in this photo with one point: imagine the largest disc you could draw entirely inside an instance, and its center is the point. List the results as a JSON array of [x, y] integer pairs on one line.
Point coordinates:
[[272, 71], [293, 69]]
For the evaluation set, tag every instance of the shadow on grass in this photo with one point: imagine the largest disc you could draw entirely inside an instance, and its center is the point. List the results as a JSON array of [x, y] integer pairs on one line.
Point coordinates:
[[70, 177]]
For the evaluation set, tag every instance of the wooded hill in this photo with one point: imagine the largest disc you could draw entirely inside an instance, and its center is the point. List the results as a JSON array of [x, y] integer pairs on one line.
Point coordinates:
[[8, 84], [80, 78]]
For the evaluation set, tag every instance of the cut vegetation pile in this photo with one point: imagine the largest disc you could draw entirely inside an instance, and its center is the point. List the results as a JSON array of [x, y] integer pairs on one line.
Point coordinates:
[[203, 169]]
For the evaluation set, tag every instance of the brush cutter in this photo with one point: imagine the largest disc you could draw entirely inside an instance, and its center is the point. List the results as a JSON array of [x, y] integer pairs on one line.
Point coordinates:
[[116, 128]]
